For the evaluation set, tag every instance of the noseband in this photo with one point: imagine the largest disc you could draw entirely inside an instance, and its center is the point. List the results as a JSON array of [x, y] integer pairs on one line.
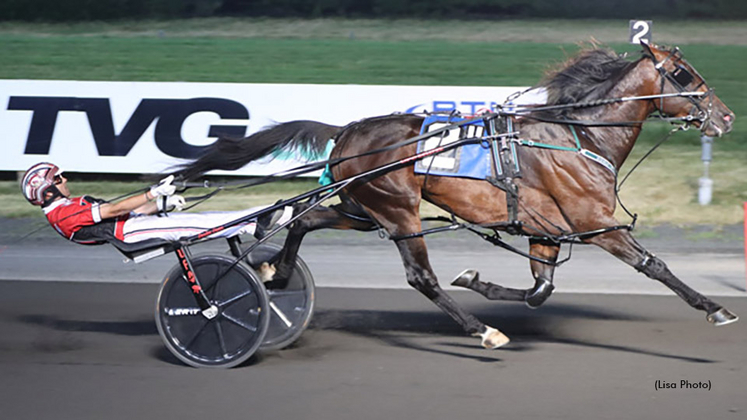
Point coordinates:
[[680, 78]]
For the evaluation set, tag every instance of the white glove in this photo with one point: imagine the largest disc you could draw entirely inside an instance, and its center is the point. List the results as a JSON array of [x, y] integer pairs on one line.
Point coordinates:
[[171, 203], [163, 188]]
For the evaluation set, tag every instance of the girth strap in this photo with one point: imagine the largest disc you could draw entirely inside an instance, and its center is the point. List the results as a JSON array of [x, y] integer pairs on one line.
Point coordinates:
[[505, 166]]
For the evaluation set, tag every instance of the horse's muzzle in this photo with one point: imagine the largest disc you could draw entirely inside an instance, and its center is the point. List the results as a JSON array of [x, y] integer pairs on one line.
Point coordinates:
[[719, 124]]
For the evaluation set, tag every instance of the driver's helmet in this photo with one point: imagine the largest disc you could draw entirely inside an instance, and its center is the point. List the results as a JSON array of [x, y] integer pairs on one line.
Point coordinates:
[[39, 179]]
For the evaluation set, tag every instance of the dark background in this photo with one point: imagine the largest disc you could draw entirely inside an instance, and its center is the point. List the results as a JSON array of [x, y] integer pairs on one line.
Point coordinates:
[[81, 10]]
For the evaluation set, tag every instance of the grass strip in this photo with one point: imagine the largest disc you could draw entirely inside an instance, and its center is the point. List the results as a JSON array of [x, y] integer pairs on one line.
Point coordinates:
[[406, 52]]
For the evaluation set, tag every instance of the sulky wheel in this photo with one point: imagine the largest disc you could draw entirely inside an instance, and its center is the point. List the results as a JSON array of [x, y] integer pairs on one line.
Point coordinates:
[[229, 338], [291, 303]]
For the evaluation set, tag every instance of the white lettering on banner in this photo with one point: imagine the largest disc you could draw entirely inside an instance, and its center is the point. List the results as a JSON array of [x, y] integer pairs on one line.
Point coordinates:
[[148, 127]]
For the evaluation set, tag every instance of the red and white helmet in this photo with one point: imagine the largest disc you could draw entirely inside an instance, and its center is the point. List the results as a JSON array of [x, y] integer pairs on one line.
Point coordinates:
[[37, 180]]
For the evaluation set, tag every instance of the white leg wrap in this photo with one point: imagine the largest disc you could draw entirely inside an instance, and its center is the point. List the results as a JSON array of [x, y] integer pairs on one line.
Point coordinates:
[[287, 214], [266, 272]]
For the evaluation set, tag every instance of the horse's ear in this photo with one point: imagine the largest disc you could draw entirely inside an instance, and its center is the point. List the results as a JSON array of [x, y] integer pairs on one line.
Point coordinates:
[[647, 48]]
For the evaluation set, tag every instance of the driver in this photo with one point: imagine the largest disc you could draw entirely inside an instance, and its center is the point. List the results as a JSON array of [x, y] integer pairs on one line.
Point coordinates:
[[88, 220]]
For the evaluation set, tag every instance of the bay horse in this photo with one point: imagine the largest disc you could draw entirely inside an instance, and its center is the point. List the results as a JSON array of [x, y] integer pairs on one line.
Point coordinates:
[[559, 192]]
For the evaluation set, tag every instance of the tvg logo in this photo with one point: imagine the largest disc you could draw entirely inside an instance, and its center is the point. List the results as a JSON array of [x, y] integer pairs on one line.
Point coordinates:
[[169, 115]]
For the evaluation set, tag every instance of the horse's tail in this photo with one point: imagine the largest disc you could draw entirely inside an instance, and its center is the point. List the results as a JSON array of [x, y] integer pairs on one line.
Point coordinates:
[[308, 137]]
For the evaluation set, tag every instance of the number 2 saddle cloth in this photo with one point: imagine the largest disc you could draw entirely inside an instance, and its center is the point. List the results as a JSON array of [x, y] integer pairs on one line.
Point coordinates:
[[467, 161]]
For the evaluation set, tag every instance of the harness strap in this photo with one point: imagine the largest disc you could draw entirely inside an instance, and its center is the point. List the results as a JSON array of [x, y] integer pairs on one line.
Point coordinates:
[[578, 149], [506, 168], [496, 239], [598, 159], [591, 155]]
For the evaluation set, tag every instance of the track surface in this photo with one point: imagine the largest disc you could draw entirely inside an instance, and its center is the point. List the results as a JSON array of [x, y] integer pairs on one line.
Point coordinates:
[[715, 267], [89, 349]]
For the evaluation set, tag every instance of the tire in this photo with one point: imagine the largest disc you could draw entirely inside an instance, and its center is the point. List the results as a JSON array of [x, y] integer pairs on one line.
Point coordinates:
[[228, 339], [292, 306]]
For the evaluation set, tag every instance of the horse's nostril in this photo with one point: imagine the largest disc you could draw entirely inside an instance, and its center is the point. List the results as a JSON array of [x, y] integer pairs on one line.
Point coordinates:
[[728, 118]]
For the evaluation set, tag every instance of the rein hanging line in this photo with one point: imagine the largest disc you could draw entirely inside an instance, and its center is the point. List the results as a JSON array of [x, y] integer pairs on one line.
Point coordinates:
[[524, 112]]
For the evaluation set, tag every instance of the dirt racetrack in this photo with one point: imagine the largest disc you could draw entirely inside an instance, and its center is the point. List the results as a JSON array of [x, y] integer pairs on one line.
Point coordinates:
[[91, 351]]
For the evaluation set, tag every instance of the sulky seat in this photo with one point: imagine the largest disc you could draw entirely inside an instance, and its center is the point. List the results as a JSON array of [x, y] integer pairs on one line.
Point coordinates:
[[143, 250]]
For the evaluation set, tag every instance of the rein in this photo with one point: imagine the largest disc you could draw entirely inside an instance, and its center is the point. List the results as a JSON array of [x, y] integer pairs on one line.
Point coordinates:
[[696, 98], [526, 112], [577, 237], [522, 111], [311, 167], [680, 78], [588, 123]]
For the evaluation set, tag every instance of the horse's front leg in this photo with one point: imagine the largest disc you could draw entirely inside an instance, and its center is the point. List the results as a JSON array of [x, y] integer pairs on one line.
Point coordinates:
[[622, 245], [542, 273]]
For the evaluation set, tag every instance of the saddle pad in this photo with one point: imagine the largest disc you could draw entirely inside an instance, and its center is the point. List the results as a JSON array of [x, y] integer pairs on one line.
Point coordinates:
[[468, 161]]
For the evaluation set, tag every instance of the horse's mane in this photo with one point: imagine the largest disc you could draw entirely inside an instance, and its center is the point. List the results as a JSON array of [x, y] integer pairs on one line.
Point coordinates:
[[587, 76]]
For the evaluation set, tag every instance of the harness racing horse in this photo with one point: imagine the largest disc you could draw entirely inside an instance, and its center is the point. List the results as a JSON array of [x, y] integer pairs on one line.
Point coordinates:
[[559, 193]]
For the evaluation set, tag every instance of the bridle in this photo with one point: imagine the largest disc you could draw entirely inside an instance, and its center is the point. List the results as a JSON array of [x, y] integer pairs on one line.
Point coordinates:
[[680, 78]]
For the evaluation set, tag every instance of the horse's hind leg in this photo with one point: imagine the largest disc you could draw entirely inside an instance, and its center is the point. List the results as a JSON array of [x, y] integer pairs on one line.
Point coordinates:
[[622, 245], [401, 217], [542, 273], [320, 217], [534, 297]]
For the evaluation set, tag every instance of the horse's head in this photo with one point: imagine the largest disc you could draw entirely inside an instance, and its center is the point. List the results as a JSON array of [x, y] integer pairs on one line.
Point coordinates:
[[677, 76]]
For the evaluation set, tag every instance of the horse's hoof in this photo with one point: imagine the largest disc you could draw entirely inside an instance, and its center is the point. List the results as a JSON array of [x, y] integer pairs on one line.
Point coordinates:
[[492, 338], [268, 222], [466, 278], [722, 317], [539, 294], [266, 272]]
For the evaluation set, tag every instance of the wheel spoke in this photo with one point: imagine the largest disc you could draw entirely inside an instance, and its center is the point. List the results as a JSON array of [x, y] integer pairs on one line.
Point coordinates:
[[234, 299], [240, 323], [215, 290], [221, 339], [197, 334], [280, 315], [284, 293], [289, 301], [213, 274], [219, 275]]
